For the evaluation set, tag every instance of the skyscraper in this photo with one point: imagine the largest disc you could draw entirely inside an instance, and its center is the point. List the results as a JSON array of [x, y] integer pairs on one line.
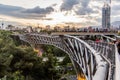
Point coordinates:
[[106, 12]]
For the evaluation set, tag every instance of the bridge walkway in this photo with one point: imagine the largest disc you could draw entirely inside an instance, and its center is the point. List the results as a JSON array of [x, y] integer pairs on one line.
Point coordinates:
[[96, 60]]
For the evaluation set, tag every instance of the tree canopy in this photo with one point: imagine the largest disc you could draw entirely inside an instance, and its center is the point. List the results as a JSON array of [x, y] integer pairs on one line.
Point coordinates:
[[20, 62]]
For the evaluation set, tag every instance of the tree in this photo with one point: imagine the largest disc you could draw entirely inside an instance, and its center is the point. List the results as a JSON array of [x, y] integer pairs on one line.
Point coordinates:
[[66, 60], [19, 62]]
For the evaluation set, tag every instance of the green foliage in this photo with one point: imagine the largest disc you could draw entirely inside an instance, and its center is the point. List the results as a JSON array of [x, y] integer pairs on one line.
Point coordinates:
[[19, 62], [16, 76], [66, 60], [53, 50]]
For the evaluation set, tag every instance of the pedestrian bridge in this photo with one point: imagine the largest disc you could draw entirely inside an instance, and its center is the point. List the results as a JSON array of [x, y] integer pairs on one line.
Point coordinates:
[[91, 60]]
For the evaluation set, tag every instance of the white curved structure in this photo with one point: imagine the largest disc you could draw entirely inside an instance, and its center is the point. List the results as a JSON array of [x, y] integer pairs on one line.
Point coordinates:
[[97, 61]]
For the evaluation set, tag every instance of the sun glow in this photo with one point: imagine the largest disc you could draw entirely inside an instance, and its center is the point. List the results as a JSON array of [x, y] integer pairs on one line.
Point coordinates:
[[62, 17]]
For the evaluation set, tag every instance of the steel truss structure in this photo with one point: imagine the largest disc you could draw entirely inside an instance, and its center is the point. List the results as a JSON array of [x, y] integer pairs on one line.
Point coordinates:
[[91, 60]]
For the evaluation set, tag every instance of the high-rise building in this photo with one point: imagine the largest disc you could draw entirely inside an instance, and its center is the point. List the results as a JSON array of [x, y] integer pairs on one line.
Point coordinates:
[[106, 12]]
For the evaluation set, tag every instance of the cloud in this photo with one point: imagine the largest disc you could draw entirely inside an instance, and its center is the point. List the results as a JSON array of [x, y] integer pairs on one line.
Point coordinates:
[[116, 10], [116, 7], [84, 8], [84, 11], [81, 6], [84, 3], [68, 4], [9, 10], [48, 19], [38, 10], [34, 13]]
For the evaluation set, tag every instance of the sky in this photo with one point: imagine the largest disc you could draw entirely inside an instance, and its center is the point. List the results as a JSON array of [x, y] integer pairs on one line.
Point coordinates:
[[80, 13]]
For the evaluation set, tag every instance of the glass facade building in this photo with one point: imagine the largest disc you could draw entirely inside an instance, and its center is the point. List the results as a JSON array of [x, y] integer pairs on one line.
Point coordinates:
[[106, 12]]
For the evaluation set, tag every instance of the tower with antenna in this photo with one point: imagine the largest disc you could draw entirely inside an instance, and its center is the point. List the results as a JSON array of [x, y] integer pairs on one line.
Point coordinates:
[[106, 13]]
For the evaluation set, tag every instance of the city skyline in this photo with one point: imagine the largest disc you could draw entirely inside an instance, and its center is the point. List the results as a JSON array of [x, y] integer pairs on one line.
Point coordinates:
[[56, 12]]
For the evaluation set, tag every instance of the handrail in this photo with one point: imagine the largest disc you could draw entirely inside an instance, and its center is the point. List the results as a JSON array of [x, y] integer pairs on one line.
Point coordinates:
[[108, 37]]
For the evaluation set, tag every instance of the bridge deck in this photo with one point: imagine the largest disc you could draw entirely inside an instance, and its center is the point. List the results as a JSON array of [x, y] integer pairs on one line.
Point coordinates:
[[97, 60]]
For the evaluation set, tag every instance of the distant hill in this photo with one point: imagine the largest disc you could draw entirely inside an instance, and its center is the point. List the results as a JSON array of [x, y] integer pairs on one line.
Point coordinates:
[[116, 24]]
